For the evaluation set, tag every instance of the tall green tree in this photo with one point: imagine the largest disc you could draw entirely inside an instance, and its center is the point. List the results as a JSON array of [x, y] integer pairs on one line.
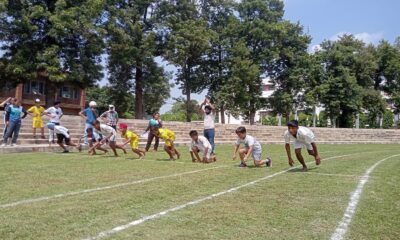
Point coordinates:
[[133, 44], [56, 40], [188, 44]]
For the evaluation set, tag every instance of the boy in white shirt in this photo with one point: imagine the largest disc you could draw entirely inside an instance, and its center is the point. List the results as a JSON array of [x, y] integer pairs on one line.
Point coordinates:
[[200, 144], [55, 113], [63, 135], [300, 137], [251, 147], [109, 134]]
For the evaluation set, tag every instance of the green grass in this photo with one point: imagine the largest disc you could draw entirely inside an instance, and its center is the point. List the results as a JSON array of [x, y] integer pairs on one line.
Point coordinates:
[[293, 205]]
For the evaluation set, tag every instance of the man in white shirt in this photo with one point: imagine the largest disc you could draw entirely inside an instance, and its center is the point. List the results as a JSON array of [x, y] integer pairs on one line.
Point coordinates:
[[55, 113], [208, 111], [200, 144], [300, 137], [63, 135], [109, 134]]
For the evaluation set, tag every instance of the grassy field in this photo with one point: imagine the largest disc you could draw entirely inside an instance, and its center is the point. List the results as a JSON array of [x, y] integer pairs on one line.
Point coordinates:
[[75, 196]]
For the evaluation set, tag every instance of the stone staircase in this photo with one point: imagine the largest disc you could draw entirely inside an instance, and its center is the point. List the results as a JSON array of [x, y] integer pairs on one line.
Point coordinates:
[[225, 134]]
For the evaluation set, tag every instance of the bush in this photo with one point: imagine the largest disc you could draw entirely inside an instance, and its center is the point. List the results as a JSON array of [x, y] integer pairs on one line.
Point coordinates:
[[269, 121], [388, 119], [322, 119], [305, 119]]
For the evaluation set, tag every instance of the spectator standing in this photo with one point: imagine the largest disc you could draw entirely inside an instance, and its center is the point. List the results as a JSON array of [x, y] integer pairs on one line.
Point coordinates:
[[155, 122], [14, 114], [110, 117], [90, 115]]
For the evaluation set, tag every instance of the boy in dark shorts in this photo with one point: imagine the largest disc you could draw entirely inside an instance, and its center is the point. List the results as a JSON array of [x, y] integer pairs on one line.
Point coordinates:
[[63, 136]]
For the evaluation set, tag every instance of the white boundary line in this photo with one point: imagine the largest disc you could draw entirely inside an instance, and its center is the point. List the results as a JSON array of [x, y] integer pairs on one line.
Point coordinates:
[[68, 194], [191, 203], [332, 174], [343, 225]]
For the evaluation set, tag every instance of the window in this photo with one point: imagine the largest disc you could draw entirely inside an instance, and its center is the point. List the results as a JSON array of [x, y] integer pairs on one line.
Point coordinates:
[[69, 92], [34, 87]]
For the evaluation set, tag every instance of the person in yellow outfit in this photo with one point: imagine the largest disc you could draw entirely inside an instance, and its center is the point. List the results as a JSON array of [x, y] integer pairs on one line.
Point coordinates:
[[36, 112], [169, 137], [132, 139]]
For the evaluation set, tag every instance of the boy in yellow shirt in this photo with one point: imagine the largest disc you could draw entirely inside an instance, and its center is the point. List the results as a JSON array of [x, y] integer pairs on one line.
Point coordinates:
[[131, 138], [169, 137], [36, 112]]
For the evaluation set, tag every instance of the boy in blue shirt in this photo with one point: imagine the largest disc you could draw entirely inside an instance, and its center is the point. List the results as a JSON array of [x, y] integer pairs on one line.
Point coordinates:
[[90, 115]]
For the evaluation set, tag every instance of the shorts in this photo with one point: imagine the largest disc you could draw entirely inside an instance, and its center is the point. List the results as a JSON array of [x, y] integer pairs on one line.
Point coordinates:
[[113, 138], [135, 145], [61, 138], [37, 123], [256, 154], [202, 151], [300, 145]]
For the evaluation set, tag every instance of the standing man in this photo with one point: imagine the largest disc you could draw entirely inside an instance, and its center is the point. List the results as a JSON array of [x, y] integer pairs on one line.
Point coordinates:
[[110, 117], [55, 113], [208, 111], [155, 122], [13, 122], [90, 115], [37, 112], [300, 137], [6, 104]]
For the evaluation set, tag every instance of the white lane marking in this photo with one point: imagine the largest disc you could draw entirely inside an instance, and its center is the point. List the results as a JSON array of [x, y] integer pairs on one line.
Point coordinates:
[[68, 194], [195, 202], [332, 174], [343, 225]]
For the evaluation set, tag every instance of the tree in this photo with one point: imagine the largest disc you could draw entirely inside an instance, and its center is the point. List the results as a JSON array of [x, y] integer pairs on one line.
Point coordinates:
[[54, 40], [133, 43], [188, 43]]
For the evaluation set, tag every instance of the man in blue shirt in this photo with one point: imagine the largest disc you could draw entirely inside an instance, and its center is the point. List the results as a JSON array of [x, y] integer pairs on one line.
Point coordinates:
[[13, 121], [90, 115]]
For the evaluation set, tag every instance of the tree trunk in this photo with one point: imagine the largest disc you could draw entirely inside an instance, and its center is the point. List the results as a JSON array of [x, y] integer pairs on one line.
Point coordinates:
[[287, 116], [139, 93], [188, 114], [251, 117], [314, 122], [222, 111]]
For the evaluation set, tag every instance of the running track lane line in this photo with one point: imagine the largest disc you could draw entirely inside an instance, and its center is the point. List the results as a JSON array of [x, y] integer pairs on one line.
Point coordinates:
[[68, 194], [343, 225], [139, 221]]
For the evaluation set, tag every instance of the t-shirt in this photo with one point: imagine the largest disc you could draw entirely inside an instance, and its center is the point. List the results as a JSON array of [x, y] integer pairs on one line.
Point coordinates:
[[167, 134], [37, 111], [304, 135], [14, 113], [106, 130], [249, 141], [61, 130], [90, 115], [209, 121], [132, 136], [202, 143], [112, 117], [55, 114]]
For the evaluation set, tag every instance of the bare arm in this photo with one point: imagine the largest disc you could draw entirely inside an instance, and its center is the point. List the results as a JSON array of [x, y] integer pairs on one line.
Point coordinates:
[[5, 101], [235, 151], [81, 113], [251, 148], [289, 154]]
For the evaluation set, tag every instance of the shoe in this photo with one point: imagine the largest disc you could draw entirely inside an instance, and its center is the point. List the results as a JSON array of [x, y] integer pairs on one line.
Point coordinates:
[[243, 165], [269, 162], [3, 145], [13, 145]]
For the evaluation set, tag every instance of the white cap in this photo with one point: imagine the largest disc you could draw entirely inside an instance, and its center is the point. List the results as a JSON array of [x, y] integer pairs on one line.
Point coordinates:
[[111, 106], [37, 100], [92, 104]]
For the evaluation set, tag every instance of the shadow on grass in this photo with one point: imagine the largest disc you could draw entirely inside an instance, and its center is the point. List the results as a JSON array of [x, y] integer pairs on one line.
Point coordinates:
[[297, 170]]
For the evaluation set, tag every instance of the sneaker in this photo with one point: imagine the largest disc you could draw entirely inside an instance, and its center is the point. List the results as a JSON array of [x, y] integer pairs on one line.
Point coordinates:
[[3, 145], [243, 165], [269, 162]]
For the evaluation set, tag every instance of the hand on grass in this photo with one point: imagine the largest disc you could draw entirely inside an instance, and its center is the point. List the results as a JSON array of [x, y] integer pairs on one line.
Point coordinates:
[[291, 162], [317, 160]]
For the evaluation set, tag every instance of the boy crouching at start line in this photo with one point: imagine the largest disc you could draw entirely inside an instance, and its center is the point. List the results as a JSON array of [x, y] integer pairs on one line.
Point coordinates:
[[251, 147], [200, 144]]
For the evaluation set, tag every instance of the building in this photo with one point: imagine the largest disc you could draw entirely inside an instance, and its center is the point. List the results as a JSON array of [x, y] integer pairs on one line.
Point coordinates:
[[72, 97]]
